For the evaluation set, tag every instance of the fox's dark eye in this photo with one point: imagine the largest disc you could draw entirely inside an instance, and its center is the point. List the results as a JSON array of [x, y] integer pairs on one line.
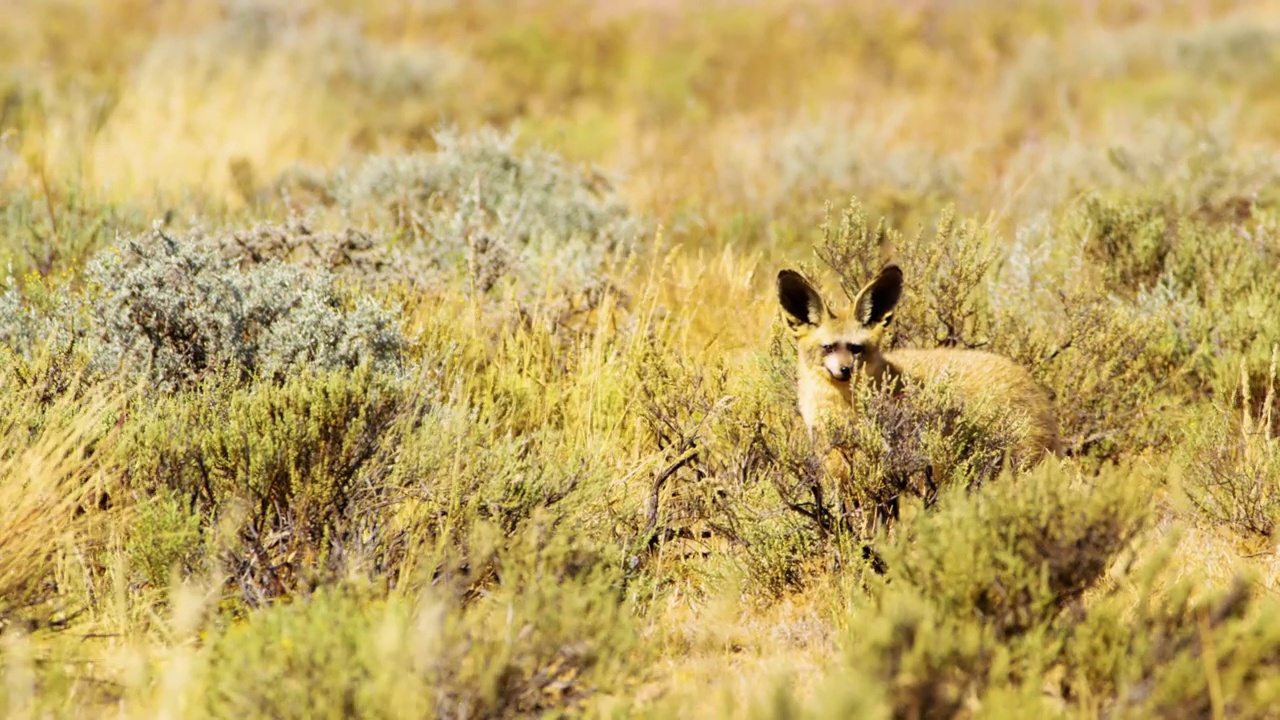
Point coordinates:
[[855, 348], [828, 348]]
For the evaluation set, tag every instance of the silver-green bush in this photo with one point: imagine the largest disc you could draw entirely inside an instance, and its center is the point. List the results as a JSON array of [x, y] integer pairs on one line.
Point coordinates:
[[173, 310]]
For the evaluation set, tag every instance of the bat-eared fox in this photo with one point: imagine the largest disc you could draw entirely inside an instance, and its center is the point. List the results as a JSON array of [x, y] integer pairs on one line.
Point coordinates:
[[839, 348]]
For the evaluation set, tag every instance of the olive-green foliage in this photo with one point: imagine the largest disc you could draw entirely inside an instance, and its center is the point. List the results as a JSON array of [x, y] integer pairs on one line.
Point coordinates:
[[1129, 243], [1205, 275], [975, 597], [1104, 361], [586, 481], [458, 468], [747, 452], [43, 331], [318, 657], [293, 457], [50, 231], [984, 608], [754, 457], [1187, 652], [550, 631], [1016, 553], [725, 449], [164, 537], [1106, 365], [944, 301], [174, 311], [1233, 463], [916, 442], [42, 680], [481, 205]]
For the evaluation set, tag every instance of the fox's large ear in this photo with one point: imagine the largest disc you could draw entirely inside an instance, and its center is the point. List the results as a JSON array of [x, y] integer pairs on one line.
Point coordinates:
[[875, 302], [799, 299]]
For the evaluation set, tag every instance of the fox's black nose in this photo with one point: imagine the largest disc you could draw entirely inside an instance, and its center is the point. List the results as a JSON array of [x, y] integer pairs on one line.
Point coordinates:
[[845, 373]]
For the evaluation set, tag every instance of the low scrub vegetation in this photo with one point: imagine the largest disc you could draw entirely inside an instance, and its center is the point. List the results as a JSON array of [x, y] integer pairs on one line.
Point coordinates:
[[443, 374]]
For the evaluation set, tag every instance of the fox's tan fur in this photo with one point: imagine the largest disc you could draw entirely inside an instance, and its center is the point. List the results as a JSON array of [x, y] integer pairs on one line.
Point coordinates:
[[840, 348]]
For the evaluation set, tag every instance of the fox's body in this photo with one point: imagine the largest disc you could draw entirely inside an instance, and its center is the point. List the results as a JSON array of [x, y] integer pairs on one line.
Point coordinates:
[[839, 349]]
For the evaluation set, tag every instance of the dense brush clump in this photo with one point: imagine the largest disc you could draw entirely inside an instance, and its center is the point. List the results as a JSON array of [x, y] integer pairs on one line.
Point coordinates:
[[291, 463], [914, 445], [985, 607], [174, 310], [548, 634]]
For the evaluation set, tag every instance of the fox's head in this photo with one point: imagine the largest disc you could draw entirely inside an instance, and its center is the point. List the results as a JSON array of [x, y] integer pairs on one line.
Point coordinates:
[[839, 345]]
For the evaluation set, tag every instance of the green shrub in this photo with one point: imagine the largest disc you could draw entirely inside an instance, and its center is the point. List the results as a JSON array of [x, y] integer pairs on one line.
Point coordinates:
[[914, 444], [1206, 273], [1017, 553], [974, 598], [49, 232], [1136, 241], [1233, 463], [549, 632], [44, 331], [1128, 242], [457, 468], [995, 605], [945, 301], [175, 311], [165, 536], [1186, 651], [316, 657], [1106, 362], [1109, 367], [293, 458]]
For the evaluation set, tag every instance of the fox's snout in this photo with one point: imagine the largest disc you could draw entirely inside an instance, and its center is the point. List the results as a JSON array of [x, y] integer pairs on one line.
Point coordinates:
[[841, 368]]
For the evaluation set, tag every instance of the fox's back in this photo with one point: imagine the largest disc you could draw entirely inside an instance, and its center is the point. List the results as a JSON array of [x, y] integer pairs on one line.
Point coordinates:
[[977, 374]]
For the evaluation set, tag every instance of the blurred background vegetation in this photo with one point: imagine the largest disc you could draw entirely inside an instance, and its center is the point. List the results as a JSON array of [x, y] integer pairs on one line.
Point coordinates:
[[422, 359]]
